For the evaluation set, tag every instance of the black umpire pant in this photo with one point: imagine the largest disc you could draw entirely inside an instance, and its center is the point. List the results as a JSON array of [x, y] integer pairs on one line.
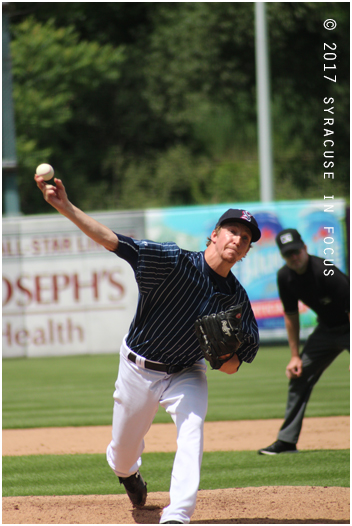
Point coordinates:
[[319, 351]]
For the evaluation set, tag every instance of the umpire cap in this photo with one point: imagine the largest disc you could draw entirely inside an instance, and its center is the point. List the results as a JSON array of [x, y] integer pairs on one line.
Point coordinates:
[[241, 216], [289, 239]]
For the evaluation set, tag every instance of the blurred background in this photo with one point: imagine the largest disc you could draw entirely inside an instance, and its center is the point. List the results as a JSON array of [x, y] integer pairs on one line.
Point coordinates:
[[153, 104], [149, 112]]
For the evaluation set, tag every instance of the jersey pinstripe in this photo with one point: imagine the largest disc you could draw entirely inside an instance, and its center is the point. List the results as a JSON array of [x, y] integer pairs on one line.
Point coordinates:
[[175, 287]]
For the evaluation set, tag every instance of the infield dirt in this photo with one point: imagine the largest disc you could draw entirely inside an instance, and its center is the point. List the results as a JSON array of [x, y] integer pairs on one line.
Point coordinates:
[[263, 505]]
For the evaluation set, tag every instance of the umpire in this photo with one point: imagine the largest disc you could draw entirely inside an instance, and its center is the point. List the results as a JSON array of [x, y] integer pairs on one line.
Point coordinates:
[[325, 290]]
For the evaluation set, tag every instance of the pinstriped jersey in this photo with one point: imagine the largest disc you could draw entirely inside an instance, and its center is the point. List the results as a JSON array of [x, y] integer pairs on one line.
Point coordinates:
[[175, 287]]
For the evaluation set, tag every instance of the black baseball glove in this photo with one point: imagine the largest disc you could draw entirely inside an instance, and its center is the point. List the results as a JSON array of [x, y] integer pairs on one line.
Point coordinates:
[[220, 335]]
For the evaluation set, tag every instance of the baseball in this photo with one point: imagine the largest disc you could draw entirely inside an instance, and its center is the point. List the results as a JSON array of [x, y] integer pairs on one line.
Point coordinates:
[[46, 171]]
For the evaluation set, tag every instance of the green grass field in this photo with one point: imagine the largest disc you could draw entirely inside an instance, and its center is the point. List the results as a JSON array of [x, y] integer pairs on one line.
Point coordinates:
[[77, 391], [91, 475]]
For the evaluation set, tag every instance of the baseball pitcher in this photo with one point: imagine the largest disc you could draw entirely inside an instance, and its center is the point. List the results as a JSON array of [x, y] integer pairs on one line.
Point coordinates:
[[191, 310]]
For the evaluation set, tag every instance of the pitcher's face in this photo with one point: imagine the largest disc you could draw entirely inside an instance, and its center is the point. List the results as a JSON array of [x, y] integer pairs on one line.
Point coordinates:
[[232, 242]]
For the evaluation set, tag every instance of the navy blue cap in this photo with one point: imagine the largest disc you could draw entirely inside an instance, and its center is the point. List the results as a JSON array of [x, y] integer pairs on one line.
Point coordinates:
[[289, 239], [241, 216]]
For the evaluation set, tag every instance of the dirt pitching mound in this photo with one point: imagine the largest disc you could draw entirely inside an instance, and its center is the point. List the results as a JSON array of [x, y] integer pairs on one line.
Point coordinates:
[[317, 433], [263, 505]]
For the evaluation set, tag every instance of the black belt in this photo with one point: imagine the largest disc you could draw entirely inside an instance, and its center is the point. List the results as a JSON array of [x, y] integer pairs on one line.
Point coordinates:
[[154, 366]]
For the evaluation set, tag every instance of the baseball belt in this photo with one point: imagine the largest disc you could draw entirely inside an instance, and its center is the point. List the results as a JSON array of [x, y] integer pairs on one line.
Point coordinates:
[[154, 366]]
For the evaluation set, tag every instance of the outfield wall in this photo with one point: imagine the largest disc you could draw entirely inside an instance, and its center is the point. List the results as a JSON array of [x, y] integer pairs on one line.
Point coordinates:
[[64, 294]]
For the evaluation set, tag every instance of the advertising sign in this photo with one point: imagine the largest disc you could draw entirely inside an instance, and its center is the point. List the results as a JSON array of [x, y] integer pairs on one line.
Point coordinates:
[[320, 225], [62, 292]]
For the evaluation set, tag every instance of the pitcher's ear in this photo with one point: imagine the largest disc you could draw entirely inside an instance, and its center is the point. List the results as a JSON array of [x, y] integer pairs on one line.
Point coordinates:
[[214, 235]]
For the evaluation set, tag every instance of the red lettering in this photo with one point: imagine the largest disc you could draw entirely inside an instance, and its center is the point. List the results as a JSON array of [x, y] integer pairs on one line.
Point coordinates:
[[5, 248], [55, 246], [11, 247], [39, 288], [71, 329], [36, 246], [27, 292], [60, 333], [118, 286], [8, 291], [85, 244], [93, 285], [7, 334], [66, 244], [57, 287], [21, 337], [39, 337], [51, 333], [48, 289]]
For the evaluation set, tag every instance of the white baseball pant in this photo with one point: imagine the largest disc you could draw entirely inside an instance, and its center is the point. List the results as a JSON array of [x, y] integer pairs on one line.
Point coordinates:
[[184, 395]]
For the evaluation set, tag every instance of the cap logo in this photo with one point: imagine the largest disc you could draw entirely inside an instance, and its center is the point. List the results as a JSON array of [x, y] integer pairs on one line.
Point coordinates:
[[286, 238], [246, 215]]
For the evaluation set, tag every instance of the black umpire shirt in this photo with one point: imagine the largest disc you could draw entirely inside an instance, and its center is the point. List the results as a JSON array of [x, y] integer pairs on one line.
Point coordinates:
[[327, 296]]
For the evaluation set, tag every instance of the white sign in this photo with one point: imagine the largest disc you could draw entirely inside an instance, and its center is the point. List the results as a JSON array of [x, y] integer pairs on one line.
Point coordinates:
[[62, 293]]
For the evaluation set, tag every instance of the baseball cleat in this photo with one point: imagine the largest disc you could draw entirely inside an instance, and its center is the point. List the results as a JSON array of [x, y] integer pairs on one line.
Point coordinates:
[[135, 488], [279, 447]]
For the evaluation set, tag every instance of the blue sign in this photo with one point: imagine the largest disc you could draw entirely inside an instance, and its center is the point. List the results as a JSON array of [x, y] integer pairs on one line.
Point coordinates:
[[320, 226]]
